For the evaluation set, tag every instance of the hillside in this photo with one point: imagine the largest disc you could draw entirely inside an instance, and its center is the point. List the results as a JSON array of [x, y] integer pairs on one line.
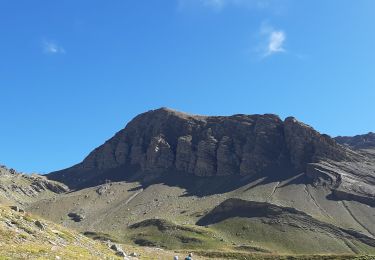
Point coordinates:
[[170, 167], [24, 236], [22, 189]]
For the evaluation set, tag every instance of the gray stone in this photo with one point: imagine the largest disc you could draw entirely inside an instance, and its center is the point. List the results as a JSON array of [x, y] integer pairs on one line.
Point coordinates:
[[227, 161], [206, 157], [185, 158], [159, 154], [40, 225], [76, 217]]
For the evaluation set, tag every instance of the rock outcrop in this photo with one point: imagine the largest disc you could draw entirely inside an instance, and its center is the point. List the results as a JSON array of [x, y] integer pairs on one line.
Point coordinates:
[[347, 180], [306, 145], [366, 141], [21, 188], [245, 145]]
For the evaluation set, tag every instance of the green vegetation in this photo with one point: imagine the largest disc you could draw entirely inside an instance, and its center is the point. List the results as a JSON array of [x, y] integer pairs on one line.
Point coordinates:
[[233, 238], [21, 238], [286, 239], [165, 234], [101, 236], [247, 256]]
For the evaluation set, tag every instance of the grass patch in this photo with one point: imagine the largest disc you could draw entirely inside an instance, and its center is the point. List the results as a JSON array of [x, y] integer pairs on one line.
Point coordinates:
[[101, 236], [166, 234], [66, 235], [285, 239], [257, 256]]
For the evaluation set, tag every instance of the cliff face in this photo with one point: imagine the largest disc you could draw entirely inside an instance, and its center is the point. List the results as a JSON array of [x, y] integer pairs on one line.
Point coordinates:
[[245, 145]]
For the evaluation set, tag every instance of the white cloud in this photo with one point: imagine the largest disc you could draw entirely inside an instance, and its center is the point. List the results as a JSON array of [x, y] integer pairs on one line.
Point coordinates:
[[272, 40], [51, 47], [276, 41]]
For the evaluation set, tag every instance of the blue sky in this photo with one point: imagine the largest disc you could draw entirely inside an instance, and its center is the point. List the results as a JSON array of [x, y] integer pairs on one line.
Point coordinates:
[[72, 73]]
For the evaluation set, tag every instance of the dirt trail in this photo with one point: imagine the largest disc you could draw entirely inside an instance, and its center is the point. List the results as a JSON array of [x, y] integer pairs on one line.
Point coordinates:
[[133, 196], [315, 202], [351, 246], [273, 191], [356, 219]]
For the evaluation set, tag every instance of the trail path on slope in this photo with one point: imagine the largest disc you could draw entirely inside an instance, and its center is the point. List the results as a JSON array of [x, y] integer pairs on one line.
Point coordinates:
[[356, 219], [350, 246], [133, 196], [114, 209], [273, 191], [315, 202]]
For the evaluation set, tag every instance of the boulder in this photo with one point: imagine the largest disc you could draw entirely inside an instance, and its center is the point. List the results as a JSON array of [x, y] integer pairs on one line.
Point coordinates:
[[118, 250], [17, 209], [76, 217], [40, 225]]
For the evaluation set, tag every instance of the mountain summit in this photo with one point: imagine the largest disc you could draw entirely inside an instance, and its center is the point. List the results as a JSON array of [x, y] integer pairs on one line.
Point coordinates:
[[243, 145]]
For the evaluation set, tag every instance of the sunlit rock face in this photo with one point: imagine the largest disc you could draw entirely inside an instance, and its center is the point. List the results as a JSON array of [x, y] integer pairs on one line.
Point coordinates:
[[243, 145]]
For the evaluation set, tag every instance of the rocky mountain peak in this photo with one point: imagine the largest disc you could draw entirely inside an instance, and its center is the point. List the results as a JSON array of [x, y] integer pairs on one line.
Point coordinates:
[[245, 145]]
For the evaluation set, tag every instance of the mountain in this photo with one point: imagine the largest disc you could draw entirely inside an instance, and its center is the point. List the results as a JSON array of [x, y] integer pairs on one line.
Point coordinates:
[[23, 189], [366, 141], [164, 140], [243, 145], [252, 183], [28, 236]]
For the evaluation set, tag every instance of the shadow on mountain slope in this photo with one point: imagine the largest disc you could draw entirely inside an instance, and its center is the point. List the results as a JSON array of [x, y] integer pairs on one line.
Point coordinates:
[[274, 215], [194, 185]]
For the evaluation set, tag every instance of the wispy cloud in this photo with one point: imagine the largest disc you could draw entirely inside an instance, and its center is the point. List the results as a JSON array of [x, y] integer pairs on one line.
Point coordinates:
[[272, 40], [276, 41], [218, 5], [51, 47]]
